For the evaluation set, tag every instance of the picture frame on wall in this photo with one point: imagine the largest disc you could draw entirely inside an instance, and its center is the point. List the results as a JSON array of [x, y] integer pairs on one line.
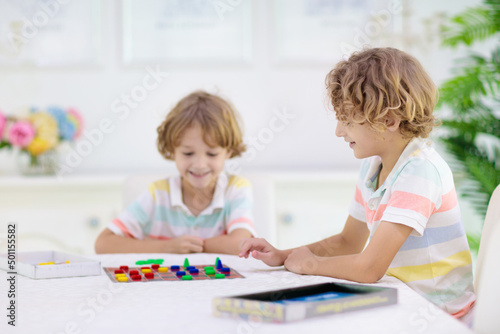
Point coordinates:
[[323, 31], [50, 34], [187, 32]]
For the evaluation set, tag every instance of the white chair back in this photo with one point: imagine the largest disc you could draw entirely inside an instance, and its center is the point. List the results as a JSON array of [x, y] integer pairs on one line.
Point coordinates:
[[486, 319]]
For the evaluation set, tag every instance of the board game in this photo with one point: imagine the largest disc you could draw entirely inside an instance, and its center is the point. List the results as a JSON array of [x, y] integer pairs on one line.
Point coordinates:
[[153, 270], [303, 302]]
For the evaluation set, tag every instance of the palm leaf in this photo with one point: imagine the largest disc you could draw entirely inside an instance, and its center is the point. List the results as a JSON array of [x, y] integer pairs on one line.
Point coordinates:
[[480, 170], [494, 7], [477, 77], [465, 89], [474, 24], [473, 123], [472, 134], [473, 240]]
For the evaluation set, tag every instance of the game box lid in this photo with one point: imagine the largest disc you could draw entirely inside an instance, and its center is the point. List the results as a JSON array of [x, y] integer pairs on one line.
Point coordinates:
[[49, 264], [303, 302]]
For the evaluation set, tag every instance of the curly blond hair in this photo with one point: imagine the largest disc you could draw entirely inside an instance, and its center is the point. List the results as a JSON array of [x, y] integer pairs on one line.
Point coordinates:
[[378, 84], [218, 119]]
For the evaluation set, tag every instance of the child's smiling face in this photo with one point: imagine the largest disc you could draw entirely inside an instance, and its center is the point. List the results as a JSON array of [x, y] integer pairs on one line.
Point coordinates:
[[198, 163], [363, 140]]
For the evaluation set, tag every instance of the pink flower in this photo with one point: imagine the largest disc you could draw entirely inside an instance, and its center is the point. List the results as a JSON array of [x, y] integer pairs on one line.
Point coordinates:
[[21, 133], [75, 117], [3, 120]]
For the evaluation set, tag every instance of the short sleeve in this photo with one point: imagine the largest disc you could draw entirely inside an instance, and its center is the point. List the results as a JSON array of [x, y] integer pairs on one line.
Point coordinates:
[[415, 195], [136, 220], [238, 205], [357, 205]]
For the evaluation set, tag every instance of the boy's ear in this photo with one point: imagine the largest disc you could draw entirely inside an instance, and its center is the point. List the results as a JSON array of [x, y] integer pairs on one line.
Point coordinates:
[[392, 124], [229, 153]]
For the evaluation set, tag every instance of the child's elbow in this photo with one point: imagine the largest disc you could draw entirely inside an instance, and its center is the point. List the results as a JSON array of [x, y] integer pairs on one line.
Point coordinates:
[[371, 277], [370, 272], [100, 246]]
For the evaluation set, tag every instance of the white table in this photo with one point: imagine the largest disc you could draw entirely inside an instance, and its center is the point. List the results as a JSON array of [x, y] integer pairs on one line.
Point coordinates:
[[96, 305]]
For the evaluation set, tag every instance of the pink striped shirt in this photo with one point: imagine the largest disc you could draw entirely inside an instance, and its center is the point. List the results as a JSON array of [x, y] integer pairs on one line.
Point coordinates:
[[419, 192]]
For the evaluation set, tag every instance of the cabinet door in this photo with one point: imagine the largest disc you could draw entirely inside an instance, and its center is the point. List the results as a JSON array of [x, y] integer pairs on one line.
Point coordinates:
[[308, 211], [59, 218]]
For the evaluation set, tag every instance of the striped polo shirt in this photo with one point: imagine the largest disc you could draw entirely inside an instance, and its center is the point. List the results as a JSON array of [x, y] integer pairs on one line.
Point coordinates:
[[160, 213], [419, 192]]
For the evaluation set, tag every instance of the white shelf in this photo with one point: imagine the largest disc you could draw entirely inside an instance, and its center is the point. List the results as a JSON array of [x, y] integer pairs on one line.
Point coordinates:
[[76, 180]]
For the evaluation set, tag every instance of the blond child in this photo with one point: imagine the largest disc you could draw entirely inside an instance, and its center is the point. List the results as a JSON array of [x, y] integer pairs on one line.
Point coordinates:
[[202, 209], [405, 201]]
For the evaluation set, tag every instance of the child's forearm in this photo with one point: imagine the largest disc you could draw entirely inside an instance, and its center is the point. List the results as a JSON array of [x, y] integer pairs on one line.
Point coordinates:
[[367, 266], [118, 244], [349, 267], [355, 267], [112, 243], [333, 246], [226, 244]]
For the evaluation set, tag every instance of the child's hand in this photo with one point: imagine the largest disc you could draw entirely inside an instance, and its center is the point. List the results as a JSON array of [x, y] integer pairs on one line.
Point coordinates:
[[302, 261], [186, 244], [262, 250]]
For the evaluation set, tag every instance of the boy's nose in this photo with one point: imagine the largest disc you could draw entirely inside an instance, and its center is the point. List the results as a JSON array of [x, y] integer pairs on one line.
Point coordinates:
[[339, 129], [200, 161]]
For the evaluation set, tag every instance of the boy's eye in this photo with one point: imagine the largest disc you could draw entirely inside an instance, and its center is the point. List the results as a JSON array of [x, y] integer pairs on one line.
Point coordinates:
[[187, 153], [213, 154]]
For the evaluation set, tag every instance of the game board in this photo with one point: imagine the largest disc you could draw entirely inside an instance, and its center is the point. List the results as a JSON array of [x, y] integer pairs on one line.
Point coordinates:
[[152, 270]]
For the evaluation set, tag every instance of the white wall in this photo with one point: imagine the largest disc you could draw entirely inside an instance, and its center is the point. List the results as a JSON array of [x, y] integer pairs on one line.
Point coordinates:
[[257, 90]]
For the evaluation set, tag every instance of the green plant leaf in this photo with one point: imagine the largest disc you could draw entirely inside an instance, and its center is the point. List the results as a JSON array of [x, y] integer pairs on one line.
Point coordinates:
[[473, 239], [5, 144], [472, 25], [477, 77], [478, 166]]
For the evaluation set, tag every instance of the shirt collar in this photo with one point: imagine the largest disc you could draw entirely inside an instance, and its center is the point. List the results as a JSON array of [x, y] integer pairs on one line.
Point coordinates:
[[413, 149], [217, 200]]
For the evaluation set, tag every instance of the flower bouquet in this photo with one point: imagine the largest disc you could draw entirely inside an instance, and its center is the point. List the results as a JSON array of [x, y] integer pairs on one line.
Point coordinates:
[[38, 133]]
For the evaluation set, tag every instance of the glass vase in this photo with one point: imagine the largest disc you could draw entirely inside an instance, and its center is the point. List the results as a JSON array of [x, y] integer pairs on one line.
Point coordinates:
[[33, 165]]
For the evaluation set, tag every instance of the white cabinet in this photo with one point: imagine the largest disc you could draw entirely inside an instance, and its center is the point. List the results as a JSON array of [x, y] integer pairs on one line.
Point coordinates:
[[51, 214], [311, 206], [68, 214]]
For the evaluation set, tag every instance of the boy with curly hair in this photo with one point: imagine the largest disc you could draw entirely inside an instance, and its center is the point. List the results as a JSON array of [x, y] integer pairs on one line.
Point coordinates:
[[405, 201]]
